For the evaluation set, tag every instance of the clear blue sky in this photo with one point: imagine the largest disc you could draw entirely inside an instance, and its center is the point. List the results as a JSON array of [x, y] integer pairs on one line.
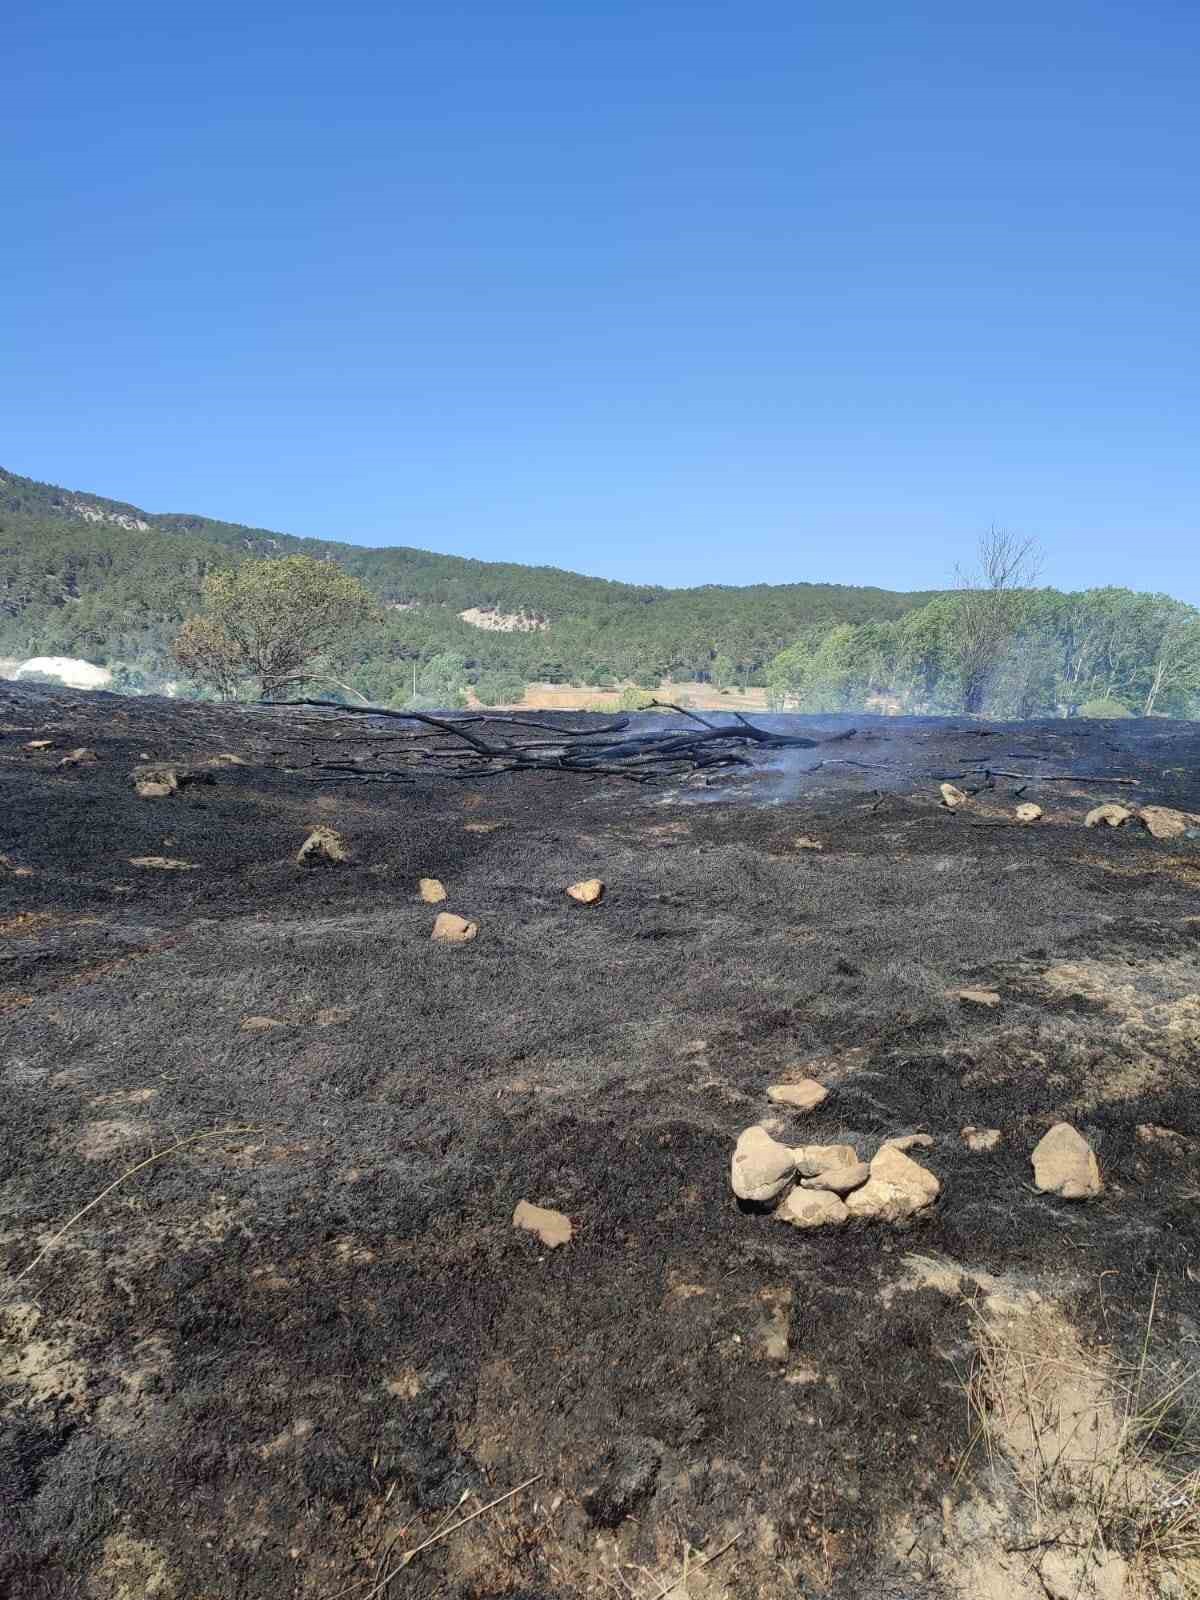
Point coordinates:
[[669, 292]]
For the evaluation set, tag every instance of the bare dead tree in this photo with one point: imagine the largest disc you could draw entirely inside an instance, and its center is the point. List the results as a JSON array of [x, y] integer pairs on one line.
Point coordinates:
[[986, 615]]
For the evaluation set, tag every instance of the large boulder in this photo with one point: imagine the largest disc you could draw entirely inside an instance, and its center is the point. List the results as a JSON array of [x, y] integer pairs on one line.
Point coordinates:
[[761, 1167], [1065, 1164]]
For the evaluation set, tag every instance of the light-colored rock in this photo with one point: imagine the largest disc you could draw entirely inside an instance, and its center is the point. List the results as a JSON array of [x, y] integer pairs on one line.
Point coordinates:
[[812, 1159], [261, 1024], [897, 1188], [813, 1208], [39, 744], [449, 929], [1164, 822], [981, 1139], [761, 1167], [953, 797], [553, 1228], [806, 1095], [155, 782], [1114, 816], [589, 892], [807, 842], [1028, 812], [164, 863], [839, 1180], [331, 1016], [226, 758], [1064, 1164], [431, 890], [323, 847], [987, 999], [909, 1141], [83, 757]]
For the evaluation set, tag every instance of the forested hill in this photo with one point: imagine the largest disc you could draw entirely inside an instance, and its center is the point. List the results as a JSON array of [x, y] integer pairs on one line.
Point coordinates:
[[84, 575]]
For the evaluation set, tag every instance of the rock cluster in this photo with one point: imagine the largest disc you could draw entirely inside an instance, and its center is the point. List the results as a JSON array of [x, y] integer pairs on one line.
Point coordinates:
[[834, 1184], [827, 1185]]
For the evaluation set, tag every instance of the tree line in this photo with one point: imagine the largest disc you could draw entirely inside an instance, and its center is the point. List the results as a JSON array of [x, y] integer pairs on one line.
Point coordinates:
[[119, 592]]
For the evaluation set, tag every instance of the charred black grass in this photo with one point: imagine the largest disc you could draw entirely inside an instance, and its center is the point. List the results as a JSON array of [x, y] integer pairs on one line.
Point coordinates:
[[352, 1270]]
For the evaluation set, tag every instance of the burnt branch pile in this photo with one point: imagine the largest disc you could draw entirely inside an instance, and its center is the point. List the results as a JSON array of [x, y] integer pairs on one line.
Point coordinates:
[[385, 750]]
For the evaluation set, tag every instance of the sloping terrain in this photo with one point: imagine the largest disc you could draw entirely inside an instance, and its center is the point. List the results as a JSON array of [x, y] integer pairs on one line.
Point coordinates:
[[304, 1337], [81, 575]]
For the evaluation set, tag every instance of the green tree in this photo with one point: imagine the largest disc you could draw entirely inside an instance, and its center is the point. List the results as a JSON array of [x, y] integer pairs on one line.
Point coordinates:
[[271, 626], [723, 670], [443, 679], [500, 689]]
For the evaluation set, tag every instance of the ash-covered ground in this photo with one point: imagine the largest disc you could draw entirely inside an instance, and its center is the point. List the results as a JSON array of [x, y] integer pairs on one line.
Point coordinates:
[[306, 1337]]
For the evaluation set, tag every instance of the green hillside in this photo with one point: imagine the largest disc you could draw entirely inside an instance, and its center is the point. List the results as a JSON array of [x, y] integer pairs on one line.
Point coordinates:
[[87, 576]]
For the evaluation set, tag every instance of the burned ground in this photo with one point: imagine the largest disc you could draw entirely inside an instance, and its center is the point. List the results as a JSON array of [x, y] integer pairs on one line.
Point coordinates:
[[303, 1337]]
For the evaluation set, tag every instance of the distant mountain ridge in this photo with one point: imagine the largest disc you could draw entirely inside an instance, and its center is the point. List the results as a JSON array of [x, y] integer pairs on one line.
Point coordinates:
[[82, 574]]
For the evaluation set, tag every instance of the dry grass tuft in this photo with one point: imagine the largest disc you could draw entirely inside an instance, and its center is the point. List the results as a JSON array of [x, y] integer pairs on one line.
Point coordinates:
[[1107, 1459]]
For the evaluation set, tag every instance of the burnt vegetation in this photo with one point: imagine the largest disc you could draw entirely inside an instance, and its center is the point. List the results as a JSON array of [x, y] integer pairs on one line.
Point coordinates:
[[280, 1356]]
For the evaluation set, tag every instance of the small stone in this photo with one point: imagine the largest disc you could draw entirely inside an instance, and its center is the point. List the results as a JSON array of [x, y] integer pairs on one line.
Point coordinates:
[[324, 846], [261, 1024], [695, 1047], [807, 842], [1028, 812], [839, 1180], [431, 890], [330, 1016], [909, 1141], [1114, 816], [813, 1208], [806, 1095], [987, 998], [158, 779], [1065, 1164], [897, 1189], [155, 783], [83, 757], [812, 1159], [589, 892], [226, 758], [1164, 822], [449, 929], [760, 1167], [40, 744], [981, 1139], [552, 1227], [953, 797], [164, 863]]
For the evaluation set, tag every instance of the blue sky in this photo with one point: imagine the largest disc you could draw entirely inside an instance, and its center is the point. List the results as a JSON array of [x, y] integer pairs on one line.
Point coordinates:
[[670, 292]]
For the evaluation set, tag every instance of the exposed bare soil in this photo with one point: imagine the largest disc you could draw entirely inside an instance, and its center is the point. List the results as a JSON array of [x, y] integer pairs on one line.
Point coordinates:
[[291, 1347]]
